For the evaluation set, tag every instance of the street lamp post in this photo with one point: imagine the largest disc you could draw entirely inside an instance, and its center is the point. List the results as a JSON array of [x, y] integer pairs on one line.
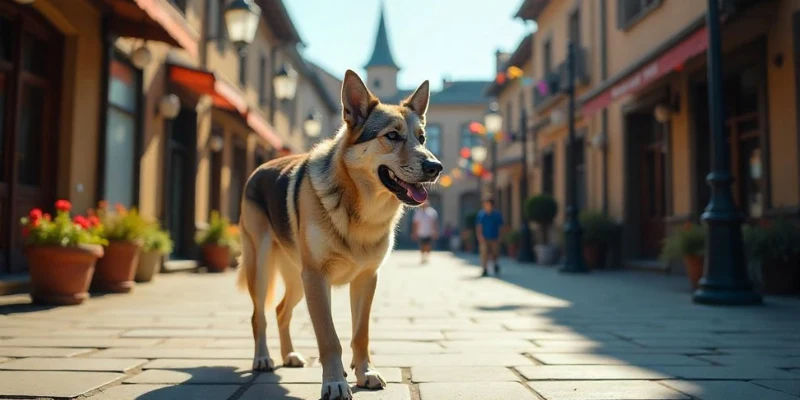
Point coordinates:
[[573, 260], [241, 20], [725, 279]]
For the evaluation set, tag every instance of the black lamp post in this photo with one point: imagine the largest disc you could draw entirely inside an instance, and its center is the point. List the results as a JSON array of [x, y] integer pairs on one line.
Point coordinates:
[[573, 262], [494, 123], [725, 279]]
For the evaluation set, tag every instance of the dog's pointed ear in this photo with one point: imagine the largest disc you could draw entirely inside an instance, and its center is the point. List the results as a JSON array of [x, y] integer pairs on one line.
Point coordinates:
[[418, 101], [357, 100]]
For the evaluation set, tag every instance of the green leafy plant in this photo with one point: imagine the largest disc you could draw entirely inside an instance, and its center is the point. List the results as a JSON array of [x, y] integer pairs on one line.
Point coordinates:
[[40, 229], [542, 209], [779, 240], [598, 228], [691, 240], [512, 237], [158, 240], [219, 232], [122, 224], [470, 220]]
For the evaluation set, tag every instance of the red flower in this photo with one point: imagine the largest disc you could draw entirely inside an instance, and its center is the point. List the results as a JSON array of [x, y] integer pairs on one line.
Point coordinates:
[[82, 221], [93, 220], [90, 212], [63, 205], [25, 231], [36, 222], [35, 214], [46, 217]]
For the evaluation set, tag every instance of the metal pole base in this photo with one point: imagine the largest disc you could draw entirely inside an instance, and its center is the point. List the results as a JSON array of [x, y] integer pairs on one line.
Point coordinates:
[[573, 260], [726, 297], [525, 254]]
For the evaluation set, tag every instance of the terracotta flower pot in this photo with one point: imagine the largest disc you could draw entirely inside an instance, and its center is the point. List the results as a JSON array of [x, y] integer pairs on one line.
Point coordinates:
[[512, 250], [61, 275], [217, 257], [149, 264], [115, 271], [694, 268], [595, 255], [779, 276]]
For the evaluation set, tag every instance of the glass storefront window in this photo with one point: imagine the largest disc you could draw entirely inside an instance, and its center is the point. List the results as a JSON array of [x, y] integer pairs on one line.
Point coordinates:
[[120, 135]]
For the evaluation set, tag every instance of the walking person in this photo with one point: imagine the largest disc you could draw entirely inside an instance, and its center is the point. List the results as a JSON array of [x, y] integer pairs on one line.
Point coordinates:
[[488, 224], [425, 229]]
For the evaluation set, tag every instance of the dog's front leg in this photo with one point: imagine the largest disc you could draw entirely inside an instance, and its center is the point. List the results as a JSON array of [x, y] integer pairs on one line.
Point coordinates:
[[318, 298], [362, 290]]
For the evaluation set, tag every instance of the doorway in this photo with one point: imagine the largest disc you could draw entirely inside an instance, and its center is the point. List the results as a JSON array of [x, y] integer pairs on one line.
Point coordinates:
[[648, 192], [180, 183], [30, 61]]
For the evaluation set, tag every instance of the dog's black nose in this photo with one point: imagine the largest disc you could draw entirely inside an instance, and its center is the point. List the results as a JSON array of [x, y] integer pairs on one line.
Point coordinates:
[[431, 168]]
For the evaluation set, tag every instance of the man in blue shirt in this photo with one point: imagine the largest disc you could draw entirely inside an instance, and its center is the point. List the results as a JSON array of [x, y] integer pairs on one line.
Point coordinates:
[[488, 224]]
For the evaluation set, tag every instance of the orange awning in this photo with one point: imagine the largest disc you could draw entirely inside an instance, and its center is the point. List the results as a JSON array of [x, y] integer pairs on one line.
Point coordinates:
[[152, 20], [203, 82]]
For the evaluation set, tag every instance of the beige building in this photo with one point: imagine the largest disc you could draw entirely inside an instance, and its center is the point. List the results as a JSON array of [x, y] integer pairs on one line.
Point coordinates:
[[642, 122], [87, 117], [451, 110]]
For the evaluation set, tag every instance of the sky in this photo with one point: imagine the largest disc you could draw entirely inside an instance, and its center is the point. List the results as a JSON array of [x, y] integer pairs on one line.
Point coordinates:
[[430, 39]]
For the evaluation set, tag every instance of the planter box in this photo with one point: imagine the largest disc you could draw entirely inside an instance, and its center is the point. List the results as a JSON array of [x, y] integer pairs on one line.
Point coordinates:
[[61, 275]]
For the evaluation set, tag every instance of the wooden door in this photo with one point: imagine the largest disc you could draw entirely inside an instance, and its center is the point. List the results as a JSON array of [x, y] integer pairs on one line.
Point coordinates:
[[653, 193], [180, 183], [30, 60]]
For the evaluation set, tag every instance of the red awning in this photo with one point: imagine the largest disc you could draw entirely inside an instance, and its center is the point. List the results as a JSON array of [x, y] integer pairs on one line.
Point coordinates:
[[257, 123], [152, 20], [203, 82], [693, 45]]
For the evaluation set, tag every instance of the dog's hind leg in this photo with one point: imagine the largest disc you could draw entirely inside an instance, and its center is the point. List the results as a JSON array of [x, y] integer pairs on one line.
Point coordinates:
[[261, 292], [294, 293]]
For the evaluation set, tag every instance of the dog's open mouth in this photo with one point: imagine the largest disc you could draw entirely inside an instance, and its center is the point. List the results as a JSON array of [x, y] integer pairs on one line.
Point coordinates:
[[410, 193]]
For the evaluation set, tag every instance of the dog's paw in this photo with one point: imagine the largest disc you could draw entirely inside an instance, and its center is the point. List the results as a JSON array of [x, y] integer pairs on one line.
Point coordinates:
[[263, 363], [338, 390], [294, 360], [371, 380]]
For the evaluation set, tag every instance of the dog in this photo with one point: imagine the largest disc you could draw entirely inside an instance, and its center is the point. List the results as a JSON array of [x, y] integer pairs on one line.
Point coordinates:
[[327, 218]]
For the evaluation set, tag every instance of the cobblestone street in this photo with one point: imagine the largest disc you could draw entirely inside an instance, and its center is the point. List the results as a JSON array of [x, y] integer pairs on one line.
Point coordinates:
[[438, 333]]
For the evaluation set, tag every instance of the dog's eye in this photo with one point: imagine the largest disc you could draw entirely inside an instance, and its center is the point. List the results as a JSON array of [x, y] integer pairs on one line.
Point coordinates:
[[394, 136], [422, 139]]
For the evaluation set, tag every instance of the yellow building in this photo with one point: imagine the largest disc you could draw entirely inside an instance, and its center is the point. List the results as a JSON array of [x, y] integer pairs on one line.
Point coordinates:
[[86, 115], [642, 122]]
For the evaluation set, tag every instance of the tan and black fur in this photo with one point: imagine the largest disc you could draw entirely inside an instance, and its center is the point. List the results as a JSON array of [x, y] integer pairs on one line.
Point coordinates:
[[327, 218]]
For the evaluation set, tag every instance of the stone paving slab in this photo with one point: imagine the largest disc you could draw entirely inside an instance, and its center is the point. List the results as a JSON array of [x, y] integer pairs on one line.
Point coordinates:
[[42, 351], [462, 374], [166, 392], [619, 359], [605, 390], [619, 350], [200, 375], [314, 375], [766, 361], [53, 383], [168, 363], [77, 342], [462, 359], [203, 333], [475, 391], [587, 372], [728, 373], [788, 387], [160, 352], [74, 364], [727, 390], [312, 392]]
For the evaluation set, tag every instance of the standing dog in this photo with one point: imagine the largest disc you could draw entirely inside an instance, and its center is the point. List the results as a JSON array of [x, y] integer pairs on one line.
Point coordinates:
[[327, 218]]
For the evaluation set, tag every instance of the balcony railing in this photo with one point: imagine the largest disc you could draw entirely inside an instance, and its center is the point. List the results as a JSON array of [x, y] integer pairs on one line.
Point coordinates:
[[558, 80]]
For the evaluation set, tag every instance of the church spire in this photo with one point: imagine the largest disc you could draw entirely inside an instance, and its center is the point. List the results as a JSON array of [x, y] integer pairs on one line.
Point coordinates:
[[382, 54]]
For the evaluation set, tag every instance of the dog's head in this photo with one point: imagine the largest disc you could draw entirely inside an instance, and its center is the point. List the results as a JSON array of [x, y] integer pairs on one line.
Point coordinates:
[[386, 143]]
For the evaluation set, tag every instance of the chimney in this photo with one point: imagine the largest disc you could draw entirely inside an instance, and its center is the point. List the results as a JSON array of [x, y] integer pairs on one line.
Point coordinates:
[[446, 82], [500, 59]]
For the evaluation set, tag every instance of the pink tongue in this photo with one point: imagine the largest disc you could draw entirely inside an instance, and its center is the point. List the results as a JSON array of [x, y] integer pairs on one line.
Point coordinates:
[[418, 193]]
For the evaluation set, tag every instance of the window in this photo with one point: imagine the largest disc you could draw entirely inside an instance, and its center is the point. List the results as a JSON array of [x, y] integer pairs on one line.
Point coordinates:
[[575, 27], [469, 139], [547, 173], [631, 11], [376, 83], [120, 135], [548, 57], [433, 139], [216, 23], [262, 84], [243, 69]]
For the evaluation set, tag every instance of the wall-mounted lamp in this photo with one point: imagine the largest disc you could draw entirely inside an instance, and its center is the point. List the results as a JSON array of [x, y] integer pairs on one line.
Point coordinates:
[[215, 143], [285, 83], [557, 117], [599, 141], [141, 57], [169, 106], [662, 113], [313, 124]]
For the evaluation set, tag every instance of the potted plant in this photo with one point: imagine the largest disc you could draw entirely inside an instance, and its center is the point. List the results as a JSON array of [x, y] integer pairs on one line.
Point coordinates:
[[468, 236], [687, 244], [217, 242], [61, 254], [124, 229], [511, 240], [776, 247], [542, 209], [155, 244], [598, 232]]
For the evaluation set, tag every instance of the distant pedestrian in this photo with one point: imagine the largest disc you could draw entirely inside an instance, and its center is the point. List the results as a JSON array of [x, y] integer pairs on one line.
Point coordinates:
[[425, 229], [488, 224]]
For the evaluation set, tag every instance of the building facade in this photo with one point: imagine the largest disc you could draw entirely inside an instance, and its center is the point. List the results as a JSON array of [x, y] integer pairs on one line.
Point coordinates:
[[82, 118], [643, 148]]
